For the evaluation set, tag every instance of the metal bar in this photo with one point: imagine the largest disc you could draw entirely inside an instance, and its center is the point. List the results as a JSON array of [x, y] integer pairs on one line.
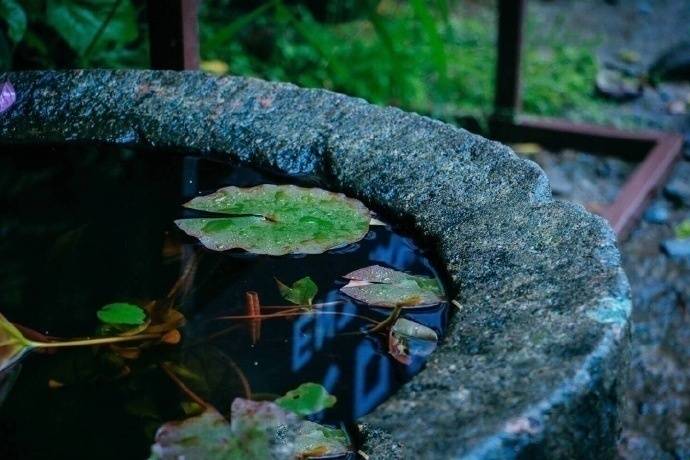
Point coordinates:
[[173, 34], [643, 184], [507, 84], [559, 133]]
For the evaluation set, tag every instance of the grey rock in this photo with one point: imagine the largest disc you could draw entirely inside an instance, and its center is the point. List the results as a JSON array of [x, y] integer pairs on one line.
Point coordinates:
[[531, 365], [677, 248], [657, 213], [678, 191]]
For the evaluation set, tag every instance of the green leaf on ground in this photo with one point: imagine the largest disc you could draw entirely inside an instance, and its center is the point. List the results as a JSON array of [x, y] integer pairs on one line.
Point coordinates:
[[683, 229], [79, 22], [302, 291], [385, 287], [308, 398], [409, 338], [258, 430], [277, 220], [122, 313]]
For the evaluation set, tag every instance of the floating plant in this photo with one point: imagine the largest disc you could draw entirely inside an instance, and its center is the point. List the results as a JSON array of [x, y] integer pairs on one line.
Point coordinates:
[[257, 430], [409, 338], [302, 291], [385, 287], [277, 220]]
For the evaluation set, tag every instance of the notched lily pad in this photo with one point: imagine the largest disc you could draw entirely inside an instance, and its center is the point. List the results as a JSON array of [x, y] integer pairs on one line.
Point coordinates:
[[385, 287], [408, 338], [309, 398], [277, 220]]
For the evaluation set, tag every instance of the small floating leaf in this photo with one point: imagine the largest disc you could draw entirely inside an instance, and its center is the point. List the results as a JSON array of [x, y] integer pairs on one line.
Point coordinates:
[[7, 96], [302, 291], [385, 287], [122, 313], [277, 220], [408, 338], [308, 398]]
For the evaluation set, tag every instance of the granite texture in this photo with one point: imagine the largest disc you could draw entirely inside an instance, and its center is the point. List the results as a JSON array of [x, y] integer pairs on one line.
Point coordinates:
[[533, 359]]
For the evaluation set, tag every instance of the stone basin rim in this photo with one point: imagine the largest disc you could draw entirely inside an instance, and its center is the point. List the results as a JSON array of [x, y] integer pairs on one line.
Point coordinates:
[[540, 343]]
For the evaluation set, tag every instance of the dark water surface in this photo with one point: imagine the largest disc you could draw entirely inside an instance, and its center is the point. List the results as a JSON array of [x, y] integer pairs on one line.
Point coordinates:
[[83, 227]]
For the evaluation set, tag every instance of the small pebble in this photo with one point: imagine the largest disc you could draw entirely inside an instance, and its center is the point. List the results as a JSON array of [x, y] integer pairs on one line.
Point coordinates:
[[679, 191], [676, 249], [657, 213]]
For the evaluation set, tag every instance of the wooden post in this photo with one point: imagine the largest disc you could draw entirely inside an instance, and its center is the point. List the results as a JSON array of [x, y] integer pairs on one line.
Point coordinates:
[[507, 84], [173, 34]]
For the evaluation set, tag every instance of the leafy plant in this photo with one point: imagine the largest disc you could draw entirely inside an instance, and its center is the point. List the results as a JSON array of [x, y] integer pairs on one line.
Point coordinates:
[[277, 220], [257, 430], [385, 287], [302, 291], [307, 399]]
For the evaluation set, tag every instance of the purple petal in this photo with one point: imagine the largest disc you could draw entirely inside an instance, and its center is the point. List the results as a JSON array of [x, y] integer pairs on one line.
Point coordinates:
[[7, 96]]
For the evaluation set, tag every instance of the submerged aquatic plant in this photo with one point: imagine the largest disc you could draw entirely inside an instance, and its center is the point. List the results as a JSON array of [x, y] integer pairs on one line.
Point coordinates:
[[408, 338], [385, 287], [277, 220], [14, 344]]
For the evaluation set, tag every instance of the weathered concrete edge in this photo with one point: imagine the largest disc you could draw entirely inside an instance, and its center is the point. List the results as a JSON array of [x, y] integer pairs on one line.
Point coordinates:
[[510, 442]]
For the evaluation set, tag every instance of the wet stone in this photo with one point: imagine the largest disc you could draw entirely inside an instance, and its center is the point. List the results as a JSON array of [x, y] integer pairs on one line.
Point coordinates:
[[677, 248], [657, 213]]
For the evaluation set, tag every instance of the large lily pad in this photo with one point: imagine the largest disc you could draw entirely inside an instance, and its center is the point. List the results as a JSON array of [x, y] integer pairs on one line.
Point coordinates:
[[385, 287], [277, 220]]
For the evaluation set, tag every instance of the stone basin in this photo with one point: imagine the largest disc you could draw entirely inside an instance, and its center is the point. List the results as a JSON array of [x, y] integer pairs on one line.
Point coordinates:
[[534, 357]]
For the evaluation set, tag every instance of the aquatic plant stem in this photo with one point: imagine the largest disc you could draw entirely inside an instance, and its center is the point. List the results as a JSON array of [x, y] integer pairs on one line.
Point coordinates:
[[290, 314], [183, 387], [389, 320], [91, 342]]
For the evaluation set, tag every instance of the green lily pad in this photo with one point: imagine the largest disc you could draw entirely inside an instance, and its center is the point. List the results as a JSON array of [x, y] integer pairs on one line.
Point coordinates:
[[302, 291], [277, 220], [308, 398], [385, 287], [122, 313], [258, 430], [408, 338]]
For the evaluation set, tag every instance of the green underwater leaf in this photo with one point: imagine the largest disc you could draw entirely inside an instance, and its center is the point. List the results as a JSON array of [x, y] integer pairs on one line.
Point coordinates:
[[122, 313], [308, 398], [385, 287], [277, 220], [302, 291], [259, 430], [13, 344]]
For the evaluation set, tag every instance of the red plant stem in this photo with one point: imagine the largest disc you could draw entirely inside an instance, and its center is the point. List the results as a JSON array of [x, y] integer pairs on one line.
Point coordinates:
[[243, 379], [185, 389], [251, 300], [289, 314]]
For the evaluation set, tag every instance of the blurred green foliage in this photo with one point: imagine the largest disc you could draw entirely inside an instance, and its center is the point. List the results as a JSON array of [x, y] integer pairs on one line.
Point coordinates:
[[421, 55]]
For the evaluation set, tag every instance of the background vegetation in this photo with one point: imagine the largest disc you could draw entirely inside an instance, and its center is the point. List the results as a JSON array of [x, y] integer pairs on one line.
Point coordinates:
[[432, 56]]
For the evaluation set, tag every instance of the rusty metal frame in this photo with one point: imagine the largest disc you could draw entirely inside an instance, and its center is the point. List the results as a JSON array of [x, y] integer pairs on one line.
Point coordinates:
[[657, 151], [173, 34]]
